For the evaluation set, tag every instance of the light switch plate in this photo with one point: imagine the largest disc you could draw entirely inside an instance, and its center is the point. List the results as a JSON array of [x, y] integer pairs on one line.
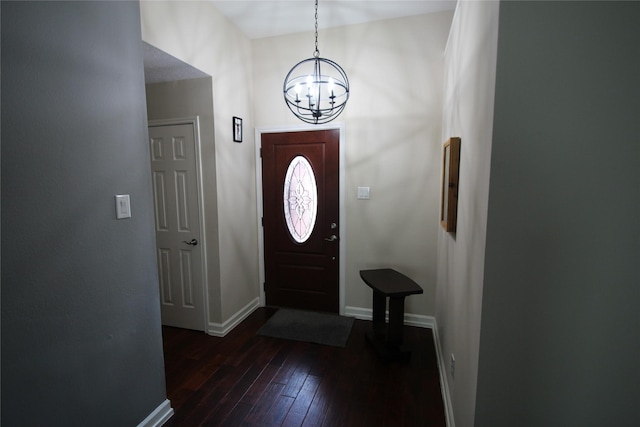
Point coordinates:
[[123, 206], [363, 193]]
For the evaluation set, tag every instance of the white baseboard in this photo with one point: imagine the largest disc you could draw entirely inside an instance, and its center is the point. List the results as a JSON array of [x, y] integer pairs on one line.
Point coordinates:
[[418, 320], [444, 382], [159, 416], [222, 329], [421, 321]]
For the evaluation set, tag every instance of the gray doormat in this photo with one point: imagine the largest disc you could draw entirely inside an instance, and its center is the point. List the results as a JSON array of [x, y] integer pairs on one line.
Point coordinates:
[[308, 326]]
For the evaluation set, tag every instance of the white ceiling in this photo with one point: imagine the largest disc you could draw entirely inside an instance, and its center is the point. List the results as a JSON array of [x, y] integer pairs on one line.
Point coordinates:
[[266, 18]]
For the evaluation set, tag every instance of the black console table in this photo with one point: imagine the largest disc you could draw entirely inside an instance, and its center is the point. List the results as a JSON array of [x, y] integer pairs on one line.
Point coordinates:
[[388, 283]]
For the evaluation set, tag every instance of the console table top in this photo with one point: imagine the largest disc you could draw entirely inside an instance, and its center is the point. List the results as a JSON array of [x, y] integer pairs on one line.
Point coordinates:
[[389, 282]]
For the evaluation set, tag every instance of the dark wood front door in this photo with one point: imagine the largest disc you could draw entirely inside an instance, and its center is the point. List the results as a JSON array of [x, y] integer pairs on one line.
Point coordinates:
[[300, 215]]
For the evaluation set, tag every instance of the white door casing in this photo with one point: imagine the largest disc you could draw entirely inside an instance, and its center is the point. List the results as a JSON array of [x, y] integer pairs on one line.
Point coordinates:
[[177, 191]]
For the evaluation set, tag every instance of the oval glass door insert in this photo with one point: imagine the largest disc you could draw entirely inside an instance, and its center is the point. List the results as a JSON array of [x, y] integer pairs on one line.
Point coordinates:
[[300, 199]]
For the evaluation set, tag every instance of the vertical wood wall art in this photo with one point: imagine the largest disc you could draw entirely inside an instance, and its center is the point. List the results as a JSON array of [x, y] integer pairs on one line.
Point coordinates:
[[450, 173]]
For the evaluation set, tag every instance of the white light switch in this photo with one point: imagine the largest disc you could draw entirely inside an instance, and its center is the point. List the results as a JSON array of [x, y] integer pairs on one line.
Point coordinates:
[[123, 206], [363, 193]]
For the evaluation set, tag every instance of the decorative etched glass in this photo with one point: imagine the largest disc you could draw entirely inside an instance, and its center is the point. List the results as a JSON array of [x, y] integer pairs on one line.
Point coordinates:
[[300, 199]]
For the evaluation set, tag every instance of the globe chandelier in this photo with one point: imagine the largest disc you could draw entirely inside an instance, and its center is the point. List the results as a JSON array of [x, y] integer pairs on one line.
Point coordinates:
[[316, 90]]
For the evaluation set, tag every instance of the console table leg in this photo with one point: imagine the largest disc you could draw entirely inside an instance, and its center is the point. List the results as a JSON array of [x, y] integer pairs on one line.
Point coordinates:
[[396, 321], [379, 308], [388, 283]]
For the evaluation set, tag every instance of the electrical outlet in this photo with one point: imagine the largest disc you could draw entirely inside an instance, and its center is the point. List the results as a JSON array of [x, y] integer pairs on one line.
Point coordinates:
[[452, 366]]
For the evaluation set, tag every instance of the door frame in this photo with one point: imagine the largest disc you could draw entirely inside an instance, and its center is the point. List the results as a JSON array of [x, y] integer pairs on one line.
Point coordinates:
[[195, 123], [341, 200]]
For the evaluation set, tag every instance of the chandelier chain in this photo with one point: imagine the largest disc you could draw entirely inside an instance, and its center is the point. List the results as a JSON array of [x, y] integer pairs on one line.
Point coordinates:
[[316, 89], [316, 53]]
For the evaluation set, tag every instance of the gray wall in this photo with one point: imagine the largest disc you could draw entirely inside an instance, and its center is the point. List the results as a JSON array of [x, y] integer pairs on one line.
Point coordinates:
[[560, 333], [81, 338]]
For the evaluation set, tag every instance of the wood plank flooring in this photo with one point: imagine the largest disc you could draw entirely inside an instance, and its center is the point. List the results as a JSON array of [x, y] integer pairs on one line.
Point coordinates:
[[248, 380]]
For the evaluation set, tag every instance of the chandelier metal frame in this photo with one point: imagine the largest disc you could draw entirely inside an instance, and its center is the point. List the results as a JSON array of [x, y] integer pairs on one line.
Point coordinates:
[[316, 89]]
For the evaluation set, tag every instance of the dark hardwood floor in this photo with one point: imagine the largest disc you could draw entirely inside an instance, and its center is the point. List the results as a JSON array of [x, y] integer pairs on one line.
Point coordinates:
[[249, 380]]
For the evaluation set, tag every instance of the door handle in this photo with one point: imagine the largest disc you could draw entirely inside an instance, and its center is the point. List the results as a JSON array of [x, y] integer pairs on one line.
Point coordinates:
[[332, 238], [193, 242]]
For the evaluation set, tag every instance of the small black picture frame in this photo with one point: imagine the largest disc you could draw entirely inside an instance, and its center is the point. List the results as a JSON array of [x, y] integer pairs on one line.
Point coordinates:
[[237, 129]]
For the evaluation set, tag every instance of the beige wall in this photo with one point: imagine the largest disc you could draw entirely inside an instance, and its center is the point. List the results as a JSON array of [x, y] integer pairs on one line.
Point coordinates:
[[196, 33], [470, 69], [392, 125], [393, 135], [536, 297]]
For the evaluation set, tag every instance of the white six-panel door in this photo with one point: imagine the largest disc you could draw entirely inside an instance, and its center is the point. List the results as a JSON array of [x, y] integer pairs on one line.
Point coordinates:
[[178, 228]]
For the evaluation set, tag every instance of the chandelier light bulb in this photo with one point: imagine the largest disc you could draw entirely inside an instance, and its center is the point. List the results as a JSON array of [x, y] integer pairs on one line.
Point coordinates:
[[297, 88]]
